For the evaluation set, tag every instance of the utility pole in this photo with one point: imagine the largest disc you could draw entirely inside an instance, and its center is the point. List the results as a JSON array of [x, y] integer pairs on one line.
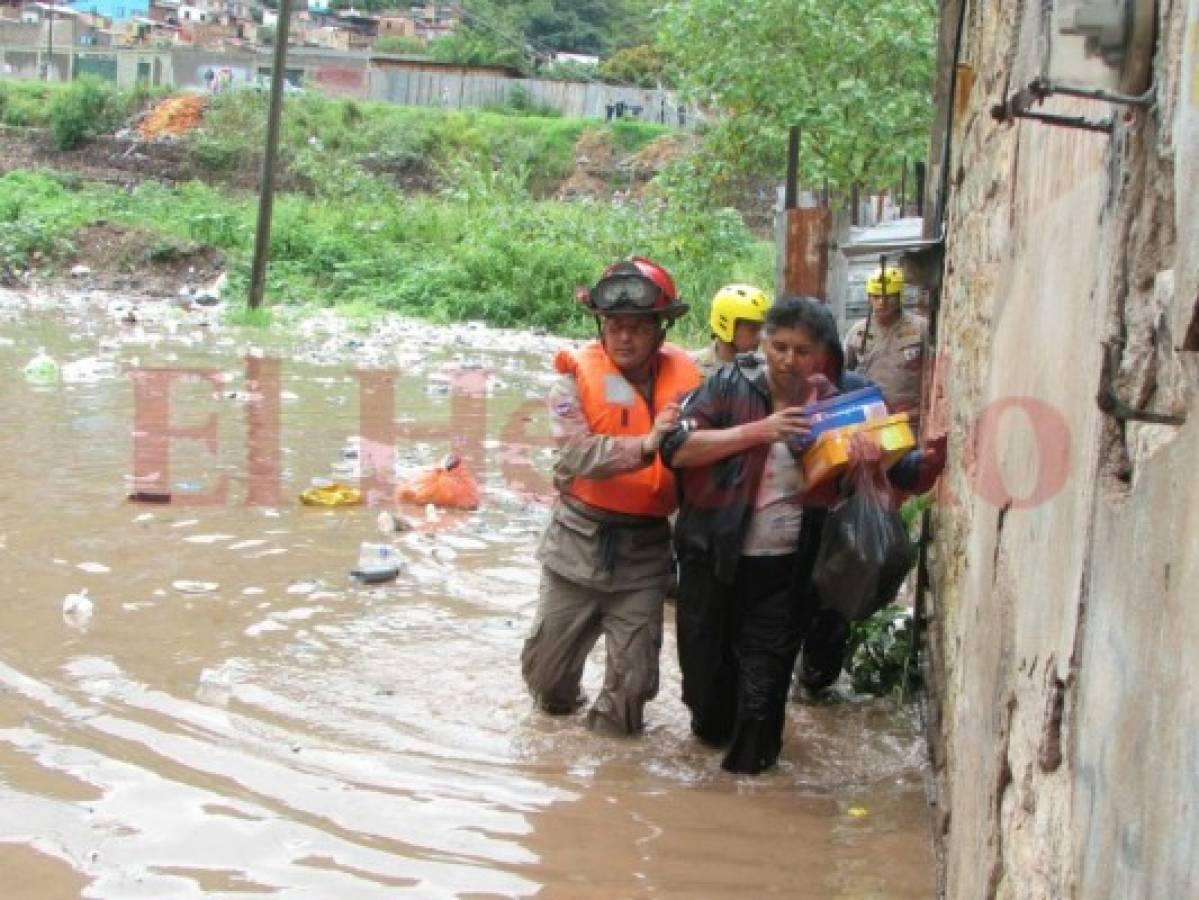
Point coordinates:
[[262, 236], [49, 38]]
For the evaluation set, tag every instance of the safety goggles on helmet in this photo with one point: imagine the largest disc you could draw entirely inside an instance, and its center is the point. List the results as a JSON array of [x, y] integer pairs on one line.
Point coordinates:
[[636, 287], [626, 291]]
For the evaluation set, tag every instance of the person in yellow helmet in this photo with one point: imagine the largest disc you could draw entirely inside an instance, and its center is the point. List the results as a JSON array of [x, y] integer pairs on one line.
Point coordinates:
[[738, 311], [888, 345]]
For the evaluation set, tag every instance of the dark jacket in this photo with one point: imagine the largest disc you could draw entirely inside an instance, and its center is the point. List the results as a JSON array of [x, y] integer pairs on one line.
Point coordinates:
[[717, 499]]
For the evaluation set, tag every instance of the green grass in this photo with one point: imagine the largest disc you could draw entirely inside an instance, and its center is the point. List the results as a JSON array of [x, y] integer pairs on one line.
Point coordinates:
[[319, 136], [251, 318], [485, 246], [484, 250], [322, 136]]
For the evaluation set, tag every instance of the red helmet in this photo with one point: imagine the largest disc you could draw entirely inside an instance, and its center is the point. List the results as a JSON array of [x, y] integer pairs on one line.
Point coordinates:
[[637, 287]]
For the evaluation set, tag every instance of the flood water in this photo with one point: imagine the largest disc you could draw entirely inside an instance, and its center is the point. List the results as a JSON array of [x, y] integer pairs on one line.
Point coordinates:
[[235, 715]]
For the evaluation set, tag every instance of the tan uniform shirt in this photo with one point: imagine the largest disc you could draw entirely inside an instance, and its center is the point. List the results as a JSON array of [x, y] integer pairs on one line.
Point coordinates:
[[893, 358], [581, 452], [570, 545]]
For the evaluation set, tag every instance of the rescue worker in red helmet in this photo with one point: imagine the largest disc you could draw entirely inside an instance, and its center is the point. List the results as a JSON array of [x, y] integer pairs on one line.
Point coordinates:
[[606, 556]]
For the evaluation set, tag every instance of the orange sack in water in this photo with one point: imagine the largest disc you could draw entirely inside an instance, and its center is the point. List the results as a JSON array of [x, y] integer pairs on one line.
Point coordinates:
[[450, 486]]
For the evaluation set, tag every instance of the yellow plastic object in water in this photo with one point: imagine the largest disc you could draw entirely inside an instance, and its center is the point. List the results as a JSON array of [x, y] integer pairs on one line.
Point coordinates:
[[335, 494], [829, 456]]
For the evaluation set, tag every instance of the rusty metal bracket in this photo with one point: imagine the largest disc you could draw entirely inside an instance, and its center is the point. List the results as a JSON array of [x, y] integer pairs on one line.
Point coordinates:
[[1043, 88], [1016, 106], [1111, 405]]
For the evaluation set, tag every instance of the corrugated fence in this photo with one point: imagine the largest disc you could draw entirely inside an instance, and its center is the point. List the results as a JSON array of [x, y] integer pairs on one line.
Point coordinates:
[[356, 76]]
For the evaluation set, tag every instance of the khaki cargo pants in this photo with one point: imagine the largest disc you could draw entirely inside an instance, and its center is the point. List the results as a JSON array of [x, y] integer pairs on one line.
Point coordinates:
[[580, 599]]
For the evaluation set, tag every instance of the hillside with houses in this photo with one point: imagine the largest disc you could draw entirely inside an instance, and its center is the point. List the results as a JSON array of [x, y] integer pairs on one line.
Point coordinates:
[[415, 56], [215, 24]]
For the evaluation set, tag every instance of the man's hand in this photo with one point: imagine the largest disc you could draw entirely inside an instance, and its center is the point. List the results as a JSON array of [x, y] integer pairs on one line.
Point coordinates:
[[664, 422]]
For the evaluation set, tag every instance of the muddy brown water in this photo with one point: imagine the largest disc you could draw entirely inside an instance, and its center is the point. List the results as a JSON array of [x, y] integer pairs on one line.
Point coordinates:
[[238, 716]]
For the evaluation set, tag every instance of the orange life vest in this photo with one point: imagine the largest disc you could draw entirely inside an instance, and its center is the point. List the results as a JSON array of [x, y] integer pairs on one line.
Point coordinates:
[[613, 406]]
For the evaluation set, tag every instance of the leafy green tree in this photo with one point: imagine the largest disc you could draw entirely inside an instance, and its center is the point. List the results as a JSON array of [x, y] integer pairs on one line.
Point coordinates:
[[490, 33], [641, 65], [573, 26], [578, 26], [855, 75]]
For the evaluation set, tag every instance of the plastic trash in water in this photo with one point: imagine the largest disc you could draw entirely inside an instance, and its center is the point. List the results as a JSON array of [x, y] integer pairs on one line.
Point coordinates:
[[377, 563], [77, 609], [335, 494], [390, 523], [215, 686], [42, 369], [449, 485], [194, 587], [88, 370], [377, 554]]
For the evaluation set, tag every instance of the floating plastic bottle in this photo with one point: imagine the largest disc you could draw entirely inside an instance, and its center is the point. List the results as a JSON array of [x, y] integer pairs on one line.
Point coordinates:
[[42, 369]]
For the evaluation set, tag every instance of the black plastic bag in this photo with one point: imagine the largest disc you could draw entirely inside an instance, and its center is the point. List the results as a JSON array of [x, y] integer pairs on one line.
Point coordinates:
[[865, 552]]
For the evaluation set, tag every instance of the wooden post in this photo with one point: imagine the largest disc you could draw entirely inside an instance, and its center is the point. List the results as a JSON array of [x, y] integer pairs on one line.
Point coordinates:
[[920, 188], [262, 235], [791, 190]]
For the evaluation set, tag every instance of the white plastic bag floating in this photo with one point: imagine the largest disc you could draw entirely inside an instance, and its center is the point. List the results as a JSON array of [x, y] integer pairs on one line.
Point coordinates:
[[77, 609], [87, 370], [194, 587]]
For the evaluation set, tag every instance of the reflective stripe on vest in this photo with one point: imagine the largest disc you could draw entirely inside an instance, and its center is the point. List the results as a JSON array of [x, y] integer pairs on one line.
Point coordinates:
[[613, 406]]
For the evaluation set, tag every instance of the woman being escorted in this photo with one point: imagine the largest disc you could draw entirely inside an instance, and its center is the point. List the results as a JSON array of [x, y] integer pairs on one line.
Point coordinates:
[[747, 532]]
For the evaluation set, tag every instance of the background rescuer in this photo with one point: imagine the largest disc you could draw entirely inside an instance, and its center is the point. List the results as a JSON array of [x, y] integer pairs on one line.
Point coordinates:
[[606, 558]]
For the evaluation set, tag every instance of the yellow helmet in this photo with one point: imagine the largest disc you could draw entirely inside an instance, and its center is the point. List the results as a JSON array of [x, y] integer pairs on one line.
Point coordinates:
[[890, 282], [734, 302]]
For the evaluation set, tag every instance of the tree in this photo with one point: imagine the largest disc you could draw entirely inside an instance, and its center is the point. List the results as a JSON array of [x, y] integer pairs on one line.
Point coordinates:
[[641, 65], [854, 75], [579, 26], [489, 34]]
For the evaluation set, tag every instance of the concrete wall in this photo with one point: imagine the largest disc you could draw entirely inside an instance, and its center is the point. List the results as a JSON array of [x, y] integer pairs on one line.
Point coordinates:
[[1067, 543]]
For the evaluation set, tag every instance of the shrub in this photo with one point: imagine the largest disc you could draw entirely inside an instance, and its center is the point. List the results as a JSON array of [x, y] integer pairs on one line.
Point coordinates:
[[81, 111], [401, 44], [880, 657], [641, 65]]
